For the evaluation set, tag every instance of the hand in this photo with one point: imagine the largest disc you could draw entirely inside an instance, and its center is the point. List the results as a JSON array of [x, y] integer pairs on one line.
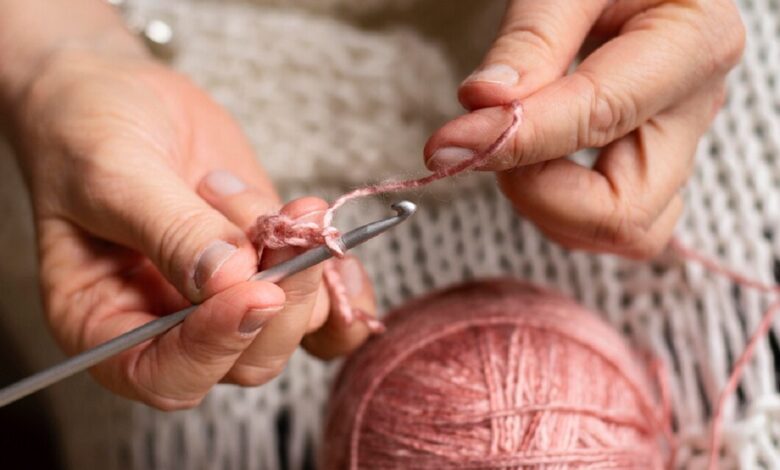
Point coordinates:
[[644, 97], [139, 213]]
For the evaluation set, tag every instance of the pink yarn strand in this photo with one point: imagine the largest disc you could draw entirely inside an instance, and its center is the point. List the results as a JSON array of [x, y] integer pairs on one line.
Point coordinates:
[[338, 294], [733, 382], [739, 366], [660, 373], [718, 268], [277, 231], [478, 160]]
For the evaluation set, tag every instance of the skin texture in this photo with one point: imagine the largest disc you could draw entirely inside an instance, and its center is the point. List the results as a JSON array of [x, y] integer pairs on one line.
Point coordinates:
[[648, 88], [118, 154]]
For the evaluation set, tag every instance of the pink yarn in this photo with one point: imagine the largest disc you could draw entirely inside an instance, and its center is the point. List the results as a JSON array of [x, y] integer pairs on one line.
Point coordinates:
[[495, 374], [277, 231], [280, 230], [478, 160], [338, 295], [744, 358]]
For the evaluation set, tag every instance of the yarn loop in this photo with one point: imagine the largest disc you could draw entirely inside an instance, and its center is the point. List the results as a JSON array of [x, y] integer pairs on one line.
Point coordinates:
[[277, 231]]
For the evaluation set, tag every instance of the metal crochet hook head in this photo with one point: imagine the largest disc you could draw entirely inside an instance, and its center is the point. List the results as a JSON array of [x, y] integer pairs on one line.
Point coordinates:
[[143, 333], [347, 241]]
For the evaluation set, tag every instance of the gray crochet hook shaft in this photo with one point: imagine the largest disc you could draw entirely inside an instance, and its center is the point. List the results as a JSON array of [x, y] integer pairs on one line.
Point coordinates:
[[148, 331]]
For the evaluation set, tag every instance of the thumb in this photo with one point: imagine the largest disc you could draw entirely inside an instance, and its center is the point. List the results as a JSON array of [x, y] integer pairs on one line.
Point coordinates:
[[177, 369], [536, 44], [193, 245]]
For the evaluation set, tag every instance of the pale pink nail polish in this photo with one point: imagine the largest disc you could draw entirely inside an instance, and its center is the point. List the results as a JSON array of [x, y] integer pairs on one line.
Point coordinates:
[[448, 157], [210, 260], [255, 319], [500, 74], [224, 183]]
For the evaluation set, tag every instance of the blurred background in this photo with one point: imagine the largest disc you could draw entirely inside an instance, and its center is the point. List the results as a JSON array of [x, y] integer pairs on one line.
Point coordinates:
[[26, 435]]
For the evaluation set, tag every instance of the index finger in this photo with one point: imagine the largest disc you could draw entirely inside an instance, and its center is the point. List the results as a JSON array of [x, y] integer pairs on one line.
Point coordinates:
[[266, 356], [662, 57], [177, 369]]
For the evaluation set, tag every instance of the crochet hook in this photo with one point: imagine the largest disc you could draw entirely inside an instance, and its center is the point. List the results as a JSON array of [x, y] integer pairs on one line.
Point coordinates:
[[154, 328]]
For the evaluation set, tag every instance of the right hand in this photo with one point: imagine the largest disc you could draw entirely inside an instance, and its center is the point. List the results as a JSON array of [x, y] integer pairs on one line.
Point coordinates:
[[645, 97], [138, 213]]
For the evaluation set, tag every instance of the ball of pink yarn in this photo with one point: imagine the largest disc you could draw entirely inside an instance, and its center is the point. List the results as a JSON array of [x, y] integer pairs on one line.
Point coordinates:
[[495, 374]]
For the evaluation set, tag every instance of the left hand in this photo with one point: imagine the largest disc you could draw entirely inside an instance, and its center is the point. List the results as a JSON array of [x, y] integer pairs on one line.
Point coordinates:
[[645, 97], [143, 189]]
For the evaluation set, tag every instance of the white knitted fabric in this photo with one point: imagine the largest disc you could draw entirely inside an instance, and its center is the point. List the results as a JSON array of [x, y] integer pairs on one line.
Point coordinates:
[[337, 93]]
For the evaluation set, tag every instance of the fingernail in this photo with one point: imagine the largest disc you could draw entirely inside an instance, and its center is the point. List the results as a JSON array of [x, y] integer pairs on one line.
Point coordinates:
[[224, 183], [500, 74], [210, 260], [254, 319], [352, 275], [448, 157], [313, 216]]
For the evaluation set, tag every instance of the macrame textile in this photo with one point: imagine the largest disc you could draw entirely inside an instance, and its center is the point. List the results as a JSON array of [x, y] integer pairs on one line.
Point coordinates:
[[339, 93]]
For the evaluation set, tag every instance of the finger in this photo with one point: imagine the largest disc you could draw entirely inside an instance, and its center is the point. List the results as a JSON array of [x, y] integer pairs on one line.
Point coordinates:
[[242, 204], [618, 13], [654, 239], [265, 358], [720, 13], [73, 264], [618, 202], [319, 314], [663, 56], [235, 199], [177, 369], [236, 153], [535, 45], [197, 248], [581, 209], [336, 337]]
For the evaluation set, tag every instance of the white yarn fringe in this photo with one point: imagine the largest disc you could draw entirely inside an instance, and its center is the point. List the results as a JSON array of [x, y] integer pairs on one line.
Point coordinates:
[[331, 104]]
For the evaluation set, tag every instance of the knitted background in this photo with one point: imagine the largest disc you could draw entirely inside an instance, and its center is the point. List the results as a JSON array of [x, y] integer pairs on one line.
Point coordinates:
[[337, 93]]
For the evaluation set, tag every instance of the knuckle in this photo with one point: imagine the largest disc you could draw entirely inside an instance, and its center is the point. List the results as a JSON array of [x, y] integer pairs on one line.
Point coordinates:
[[177, 237], [525, 147], [625, 228], [520, 34], [735, 43], [723, 35], [606, 115]]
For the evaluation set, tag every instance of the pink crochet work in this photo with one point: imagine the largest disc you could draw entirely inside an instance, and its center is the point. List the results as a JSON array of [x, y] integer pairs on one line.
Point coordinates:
[[277, 231]]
